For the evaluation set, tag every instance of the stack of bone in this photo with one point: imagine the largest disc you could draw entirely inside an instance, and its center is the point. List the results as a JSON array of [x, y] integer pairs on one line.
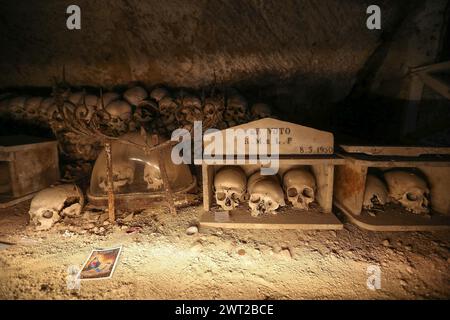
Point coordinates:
[[159, 110]]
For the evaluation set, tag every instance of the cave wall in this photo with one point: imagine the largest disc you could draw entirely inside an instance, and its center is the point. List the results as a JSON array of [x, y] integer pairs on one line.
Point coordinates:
[[300, 56], [188, 43]]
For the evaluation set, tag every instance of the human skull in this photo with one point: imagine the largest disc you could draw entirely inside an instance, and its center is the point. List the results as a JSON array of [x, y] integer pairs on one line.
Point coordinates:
[[31, 107], [266, 194], [236, 109], [145, 112], [190, 110], [17, 107], [376, 192], [260, 111], [49, 205], [230, 184], [158, 94], [108, 97], [409, 190], [152, 175], [121, 113], [76, 97], [134, 96], [167, 110], [300, 187], [123, 175], [44, 109], [213, 110]]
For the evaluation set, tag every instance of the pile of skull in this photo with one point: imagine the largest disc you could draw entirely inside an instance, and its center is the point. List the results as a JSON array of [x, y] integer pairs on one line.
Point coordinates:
[[159, 110], [264, 193], [402, 187]]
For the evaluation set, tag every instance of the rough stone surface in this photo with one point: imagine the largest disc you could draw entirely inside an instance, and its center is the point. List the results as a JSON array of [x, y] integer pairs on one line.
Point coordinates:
[[185, 44]]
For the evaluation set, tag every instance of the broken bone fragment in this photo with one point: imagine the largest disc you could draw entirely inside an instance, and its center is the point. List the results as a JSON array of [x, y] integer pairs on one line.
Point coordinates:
[[376, 193], [50, 205], [408, 189], [230, 184], [266, 194]]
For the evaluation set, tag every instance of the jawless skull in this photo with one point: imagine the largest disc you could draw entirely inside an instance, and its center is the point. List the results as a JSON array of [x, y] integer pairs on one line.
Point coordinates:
[[213, 110], [152, 175], [266, 194], [31, 107], [123, 175], [121, 113], [134, 96], [376, 193], [108, 97], [167, 110], [230, 184], [50, 205], [236, 109], [409, 190], [190, 111], [300, 187], [17, 107], [158, 94]]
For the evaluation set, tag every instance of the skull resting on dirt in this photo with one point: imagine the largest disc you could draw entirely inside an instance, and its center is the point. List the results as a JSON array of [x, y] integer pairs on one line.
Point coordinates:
[[376, 192], [409, 190], [123, 175], [49, 205], [300, 187], [266, 194], [230, 184]]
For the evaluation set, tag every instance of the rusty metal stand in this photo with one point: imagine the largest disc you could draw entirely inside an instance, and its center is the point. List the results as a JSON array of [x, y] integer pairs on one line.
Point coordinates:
[[109, 174]]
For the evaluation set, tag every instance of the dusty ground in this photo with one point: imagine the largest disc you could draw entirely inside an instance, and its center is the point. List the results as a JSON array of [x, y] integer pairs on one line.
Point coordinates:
[[160, 261]]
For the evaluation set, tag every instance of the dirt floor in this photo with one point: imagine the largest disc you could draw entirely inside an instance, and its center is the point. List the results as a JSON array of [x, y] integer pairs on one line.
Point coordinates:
[[160, 261]]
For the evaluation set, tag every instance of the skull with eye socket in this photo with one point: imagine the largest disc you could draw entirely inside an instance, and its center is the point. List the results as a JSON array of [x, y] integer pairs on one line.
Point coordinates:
[[17, 107], [189, 110], [375, 193], [236, 110], [213, 111], [31, 107], [119, 116], [408, 189], [167, 110], [230, 184], [300, 187], [266, 194], [50, 205]]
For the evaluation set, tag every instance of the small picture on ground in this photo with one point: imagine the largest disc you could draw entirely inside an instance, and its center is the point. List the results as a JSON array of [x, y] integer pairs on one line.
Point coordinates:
[[100, 264]]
